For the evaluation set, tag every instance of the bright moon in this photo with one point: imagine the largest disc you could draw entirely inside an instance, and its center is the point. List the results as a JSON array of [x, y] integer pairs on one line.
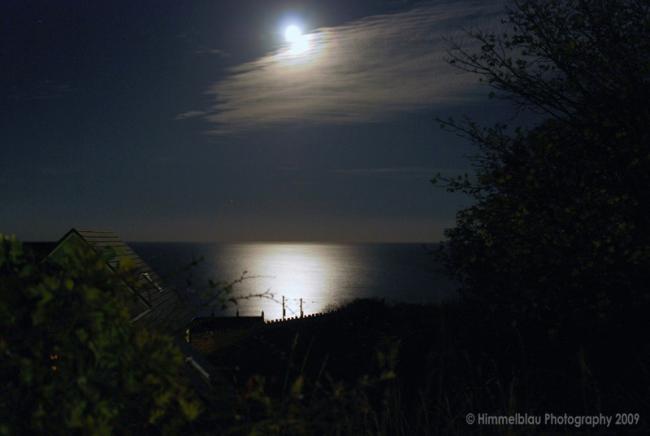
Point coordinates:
[[292, 34]]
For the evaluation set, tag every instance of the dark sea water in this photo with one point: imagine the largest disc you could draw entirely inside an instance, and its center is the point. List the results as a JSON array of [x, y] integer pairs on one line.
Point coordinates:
[[323, 275]]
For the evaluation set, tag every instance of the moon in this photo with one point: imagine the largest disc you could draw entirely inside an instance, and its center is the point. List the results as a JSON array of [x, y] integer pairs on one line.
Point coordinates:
[[292, 34]]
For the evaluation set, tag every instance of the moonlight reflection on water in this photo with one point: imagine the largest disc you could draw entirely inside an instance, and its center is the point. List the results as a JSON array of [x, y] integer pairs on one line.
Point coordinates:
[[323, 275]]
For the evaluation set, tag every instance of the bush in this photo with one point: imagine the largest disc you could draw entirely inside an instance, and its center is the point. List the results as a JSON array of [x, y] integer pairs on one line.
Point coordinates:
[[72, 361]]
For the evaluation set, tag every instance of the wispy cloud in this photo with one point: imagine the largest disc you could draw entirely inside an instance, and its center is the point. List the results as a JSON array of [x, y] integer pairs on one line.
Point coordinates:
[[189, 114], [365, 71], [212, 51]]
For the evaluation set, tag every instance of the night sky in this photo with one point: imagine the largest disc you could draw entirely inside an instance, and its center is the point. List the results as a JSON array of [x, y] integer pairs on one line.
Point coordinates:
[[195, 121]]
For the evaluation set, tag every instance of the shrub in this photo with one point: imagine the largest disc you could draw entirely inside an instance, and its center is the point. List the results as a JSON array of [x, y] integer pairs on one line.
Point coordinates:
[[72, 361]]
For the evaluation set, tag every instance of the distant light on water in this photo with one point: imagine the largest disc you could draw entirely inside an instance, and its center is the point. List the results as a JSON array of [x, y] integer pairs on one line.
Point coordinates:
[[295, 271], [326, 276], [323, 275]]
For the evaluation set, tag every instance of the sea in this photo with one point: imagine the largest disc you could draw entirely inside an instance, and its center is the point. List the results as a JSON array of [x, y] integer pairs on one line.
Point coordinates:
[[309, 277]]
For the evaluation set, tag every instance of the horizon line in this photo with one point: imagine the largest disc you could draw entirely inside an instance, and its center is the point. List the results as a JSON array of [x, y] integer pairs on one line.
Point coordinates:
[[273, 241]]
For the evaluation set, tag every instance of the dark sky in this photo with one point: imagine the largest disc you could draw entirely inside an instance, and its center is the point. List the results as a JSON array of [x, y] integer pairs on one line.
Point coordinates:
[[194, 120]]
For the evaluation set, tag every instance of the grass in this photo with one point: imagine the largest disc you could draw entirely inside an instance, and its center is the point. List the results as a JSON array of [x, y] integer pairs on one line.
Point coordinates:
[[375, 368]]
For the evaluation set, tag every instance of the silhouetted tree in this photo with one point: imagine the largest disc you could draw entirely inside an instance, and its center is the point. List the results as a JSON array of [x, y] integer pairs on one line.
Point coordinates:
[[559, 230]]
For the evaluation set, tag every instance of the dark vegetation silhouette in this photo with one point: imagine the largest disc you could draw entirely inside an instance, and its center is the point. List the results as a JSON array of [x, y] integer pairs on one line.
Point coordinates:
[[70, 359], [558, 232], [552, 260], [555, 252]]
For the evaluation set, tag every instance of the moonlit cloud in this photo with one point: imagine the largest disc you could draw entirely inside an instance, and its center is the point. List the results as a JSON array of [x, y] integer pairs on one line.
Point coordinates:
[[189, 114], [365, 71], [212, 51]]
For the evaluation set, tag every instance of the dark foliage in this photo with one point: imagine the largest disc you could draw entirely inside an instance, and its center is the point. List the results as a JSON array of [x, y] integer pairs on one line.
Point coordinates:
[[375, 368], [559, 232], [71, 362]]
